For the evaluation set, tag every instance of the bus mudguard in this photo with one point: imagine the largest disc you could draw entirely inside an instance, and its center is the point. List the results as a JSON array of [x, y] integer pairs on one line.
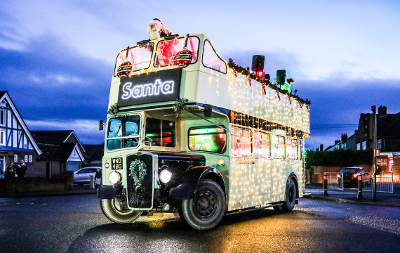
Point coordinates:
[[107, 191], [189, 180]]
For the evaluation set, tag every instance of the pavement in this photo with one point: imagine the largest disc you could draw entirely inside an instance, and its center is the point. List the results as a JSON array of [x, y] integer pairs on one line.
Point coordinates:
[[349, 195], [313, 191], [78, 189]]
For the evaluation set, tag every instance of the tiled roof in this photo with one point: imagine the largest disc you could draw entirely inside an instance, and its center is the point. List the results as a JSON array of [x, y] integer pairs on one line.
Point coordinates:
[[51, 137]]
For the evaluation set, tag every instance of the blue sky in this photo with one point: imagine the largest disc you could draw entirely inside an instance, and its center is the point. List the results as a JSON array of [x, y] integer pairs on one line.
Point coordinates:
[[57, 57]]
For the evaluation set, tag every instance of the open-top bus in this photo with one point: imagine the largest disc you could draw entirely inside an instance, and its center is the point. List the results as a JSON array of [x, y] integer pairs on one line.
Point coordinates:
[[197, 138]]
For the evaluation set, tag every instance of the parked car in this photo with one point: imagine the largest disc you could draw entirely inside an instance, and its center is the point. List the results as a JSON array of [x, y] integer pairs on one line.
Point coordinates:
[[82, 176], [350, 175]]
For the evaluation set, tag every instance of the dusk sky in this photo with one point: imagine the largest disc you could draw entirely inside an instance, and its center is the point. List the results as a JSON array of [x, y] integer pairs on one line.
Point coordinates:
[[57, 57]]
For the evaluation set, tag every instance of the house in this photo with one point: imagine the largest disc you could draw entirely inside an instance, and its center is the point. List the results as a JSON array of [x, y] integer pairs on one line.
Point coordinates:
[[62, 151], [94, 154], [388, 139], [16, 141], [339, 144]]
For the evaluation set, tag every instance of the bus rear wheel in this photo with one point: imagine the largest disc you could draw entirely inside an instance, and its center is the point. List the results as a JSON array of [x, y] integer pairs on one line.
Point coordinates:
[[290, 196], [206, 209], [117, 211]]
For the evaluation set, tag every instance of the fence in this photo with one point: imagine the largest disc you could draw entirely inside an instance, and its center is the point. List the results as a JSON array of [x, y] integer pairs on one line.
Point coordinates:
[[384, 183], [335, 183]]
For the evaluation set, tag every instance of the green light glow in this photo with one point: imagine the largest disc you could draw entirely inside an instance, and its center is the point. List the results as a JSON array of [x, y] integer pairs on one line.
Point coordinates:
[[206, 131]]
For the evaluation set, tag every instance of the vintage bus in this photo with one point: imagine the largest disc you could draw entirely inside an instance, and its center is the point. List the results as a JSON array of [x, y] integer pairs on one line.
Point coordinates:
[[197, 138]]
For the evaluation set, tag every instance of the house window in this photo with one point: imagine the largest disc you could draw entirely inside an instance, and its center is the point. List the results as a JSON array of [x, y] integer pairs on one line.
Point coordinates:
[[2, 118], [15, 158], [364, 145], [30, 158], [26, 158], [2, 137], [379, 144], [358, 146]]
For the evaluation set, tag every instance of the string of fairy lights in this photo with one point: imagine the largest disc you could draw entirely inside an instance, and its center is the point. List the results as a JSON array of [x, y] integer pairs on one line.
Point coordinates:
[[254, 183]]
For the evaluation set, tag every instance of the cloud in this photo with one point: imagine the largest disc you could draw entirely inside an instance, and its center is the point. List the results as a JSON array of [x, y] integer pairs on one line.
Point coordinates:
[[52, 80], [335, 109]]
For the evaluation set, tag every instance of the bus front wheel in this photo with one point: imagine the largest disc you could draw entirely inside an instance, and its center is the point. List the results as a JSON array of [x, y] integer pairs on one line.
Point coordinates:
[[206, 209], [290, 196], [117, 211]]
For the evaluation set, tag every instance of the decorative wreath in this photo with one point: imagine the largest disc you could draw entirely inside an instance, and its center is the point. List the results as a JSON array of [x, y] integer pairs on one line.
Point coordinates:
[[137, 172]]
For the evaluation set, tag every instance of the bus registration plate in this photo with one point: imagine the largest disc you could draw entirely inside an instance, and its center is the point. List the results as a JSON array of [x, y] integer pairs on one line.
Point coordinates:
[[116, 163]]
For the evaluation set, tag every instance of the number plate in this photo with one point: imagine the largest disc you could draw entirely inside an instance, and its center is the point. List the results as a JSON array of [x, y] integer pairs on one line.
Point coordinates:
[[116, 163]]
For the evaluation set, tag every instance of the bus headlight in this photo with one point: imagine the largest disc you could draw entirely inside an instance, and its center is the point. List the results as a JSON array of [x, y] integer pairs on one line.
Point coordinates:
[[165, 176], [114, 177]]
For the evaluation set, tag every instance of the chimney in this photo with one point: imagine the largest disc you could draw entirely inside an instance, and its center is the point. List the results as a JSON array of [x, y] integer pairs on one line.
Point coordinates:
[[344, 137], [321, 147], [382, 110]]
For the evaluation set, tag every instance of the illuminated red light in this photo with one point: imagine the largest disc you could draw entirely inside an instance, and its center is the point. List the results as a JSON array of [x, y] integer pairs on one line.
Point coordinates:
[[260, 74]]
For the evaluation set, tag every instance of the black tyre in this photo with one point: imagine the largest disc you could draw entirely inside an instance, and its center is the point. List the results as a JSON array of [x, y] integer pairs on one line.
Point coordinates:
[[117, 211], [206, 209], [291, 193]]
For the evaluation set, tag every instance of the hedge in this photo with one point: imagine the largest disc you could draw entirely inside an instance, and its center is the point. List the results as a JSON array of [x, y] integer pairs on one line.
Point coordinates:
[[341, 158]]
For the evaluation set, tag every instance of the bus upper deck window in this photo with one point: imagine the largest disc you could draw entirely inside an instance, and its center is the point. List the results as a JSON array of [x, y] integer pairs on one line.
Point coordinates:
[[139, 57], [211, 58], [166, 50]]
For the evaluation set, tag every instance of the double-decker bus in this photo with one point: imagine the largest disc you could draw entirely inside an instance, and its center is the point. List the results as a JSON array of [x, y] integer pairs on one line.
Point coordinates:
[[197, 138]]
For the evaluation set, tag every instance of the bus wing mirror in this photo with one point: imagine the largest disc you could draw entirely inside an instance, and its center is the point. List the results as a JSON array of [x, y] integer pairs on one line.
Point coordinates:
[[101, 123], [207, 110]]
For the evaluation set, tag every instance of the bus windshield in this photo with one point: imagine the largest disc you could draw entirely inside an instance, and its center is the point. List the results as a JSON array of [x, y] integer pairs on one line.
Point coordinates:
[[139, 57], [123, 132]]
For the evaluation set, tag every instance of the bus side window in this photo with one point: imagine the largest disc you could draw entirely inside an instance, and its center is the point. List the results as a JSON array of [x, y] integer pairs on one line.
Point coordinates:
[[262, 144], [291, 148], [160, 133], [209, 139], [240, 142], [277, 146]]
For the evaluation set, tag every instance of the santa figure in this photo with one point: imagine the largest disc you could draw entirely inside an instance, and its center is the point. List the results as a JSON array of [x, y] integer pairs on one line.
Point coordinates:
[[157, 29]]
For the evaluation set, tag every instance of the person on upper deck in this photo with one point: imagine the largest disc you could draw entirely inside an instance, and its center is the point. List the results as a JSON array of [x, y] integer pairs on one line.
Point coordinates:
[[157, 30]]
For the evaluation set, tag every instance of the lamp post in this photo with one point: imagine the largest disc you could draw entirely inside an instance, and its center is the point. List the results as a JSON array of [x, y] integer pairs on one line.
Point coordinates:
[[374, 142]]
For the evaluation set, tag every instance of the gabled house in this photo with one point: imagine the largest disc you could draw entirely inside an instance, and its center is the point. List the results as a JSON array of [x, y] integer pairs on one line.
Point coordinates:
[[16, 141], [94, 154], [62, 151], [388, 139]]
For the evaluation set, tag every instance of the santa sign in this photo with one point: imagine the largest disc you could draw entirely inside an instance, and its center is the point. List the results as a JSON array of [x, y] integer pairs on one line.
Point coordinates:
[[183, 58]]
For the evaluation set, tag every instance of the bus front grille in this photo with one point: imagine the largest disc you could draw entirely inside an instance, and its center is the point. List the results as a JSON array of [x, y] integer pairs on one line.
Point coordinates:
[[140, 181]]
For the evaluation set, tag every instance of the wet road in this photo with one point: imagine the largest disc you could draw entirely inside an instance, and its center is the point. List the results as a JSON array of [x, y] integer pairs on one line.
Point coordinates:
[[76, 224]]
